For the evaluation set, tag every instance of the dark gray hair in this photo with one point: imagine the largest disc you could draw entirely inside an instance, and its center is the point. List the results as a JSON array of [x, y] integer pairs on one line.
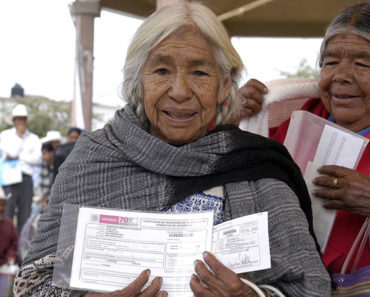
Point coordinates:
[[354, 19], [161, 24]]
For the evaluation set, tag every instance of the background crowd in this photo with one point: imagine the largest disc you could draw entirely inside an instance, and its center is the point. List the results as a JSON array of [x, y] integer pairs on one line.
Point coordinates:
[[37, 159]]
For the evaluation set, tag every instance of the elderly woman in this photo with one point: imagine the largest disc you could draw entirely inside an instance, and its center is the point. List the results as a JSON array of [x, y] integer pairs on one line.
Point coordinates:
[[167, 147], [344, 99]]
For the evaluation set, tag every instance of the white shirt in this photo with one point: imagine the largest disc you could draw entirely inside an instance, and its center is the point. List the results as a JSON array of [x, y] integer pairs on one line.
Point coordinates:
[[26, 148]]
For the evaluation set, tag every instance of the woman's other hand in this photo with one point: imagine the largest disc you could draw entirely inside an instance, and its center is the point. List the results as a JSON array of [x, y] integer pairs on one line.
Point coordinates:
[[221, 281], [344, 188], [135, 289], [251, 97]]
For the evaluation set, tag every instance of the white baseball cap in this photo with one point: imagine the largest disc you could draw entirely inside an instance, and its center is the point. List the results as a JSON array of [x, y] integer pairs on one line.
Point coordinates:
[[52, 135], [19, 110]]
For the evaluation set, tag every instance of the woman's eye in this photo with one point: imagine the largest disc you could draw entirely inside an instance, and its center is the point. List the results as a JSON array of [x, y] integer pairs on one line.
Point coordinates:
[[200, 73], [363, 65], [330, 63], [161, 71]]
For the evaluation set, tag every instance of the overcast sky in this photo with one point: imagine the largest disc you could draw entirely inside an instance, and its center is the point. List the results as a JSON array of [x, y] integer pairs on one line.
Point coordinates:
[[37, 50]]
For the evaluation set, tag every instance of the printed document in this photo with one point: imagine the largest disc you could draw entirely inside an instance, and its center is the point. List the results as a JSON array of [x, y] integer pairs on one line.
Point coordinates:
[[323, 219], [113, 247], [242, 244], [337, 147]]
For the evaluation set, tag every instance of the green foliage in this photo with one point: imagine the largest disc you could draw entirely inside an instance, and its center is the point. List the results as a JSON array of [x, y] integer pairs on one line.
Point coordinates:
[[303, 70], [4, 126], [44, 115]]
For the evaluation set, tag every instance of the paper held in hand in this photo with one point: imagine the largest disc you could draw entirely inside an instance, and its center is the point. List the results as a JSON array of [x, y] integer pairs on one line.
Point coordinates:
[[313, 141], [113, 247]]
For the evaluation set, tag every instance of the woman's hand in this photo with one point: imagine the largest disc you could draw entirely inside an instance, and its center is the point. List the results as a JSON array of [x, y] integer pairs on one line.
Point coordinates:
[[344, 188], [135, 289], [251, 97], [221, 281]]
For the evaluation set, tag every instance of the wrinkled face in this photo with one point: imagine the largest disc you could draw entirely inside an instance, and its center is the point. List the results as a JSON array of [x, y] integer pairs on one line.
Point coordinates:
[[181, 88], [345, 81]]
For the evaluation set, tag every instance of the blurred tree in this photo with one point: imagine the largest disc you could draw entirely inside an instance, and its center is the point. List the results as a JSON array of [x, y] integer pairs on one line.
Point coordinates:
[[303, 70], [43, 115]]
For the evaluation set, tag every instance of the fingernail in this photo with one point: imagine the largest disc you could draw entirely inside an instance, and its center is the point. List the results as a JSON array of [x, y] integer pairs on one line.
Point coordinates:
[[147, 272], [265, 89], [196, 262], [205, 255], [160, 280], [163, 294]]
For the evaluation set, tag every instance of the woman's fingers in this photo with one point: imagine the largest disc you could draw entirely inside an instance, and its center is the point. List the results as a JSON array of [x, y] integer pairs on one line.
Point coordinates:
[[255, 86], [218, 280], [209, 279], [251, 97], [135, 289], [198, 289], [137, 285], [154, 288], [343, 188]]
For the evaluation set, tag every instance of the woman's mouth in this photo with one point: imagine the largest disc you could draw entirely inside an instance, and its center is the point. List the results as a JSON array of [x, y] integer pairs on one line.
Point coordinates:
[[180, 115], [345, 97]]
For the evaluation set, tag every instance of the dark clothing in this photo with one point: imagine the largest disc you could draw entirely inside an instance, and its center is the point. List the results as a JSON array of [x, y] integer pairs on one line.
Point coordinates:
[[61, 154], [22, 194], [8, 242]]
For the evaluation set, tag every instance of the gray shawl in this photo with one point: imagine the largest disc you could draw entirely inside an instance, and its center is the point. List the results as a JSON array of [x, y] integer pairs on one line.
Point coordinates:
[[122, 166]]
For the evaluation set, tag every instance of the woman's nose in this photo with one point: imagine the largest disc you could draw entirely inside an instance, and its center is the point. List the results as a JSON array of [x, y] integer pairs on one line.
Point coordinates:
[[343, 73], [180, 89]]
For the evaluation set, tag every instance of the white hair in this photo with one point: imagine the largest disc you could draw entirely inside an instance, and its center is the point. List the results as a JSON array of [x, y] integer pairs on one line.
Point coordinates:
[[354, 19], [165, 22]]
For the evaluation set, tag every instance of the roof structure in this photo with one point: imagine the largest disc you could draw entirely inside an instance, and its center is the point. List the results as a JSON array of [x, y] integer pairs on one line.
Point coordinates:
[[268, 18]]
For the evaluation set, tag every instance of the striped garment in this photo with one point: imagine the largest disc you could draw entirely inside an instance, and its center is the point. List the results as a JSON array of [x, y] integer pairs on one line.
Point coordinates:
[[122, 166]]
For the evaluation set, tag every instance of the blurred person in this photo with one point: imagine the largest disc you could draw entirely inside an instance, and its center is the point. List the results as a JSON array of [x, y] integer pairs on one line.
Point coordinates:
[[167, 147], [345, 100], [73, 134], [20, 144], [66, 148], [29, 228], [8, 234], [46, 176], [54, 137]]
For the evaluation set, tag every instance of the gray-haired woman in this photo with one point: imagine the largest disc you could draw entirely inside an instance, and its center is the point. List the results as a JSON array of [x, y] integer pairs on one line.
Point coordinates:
[[168, 146], [344, 99]]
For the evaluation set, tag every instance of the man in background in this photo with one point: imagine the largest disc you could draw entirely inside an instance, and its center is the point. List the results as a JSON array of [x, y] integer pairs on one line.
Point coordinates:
[[18, 143]]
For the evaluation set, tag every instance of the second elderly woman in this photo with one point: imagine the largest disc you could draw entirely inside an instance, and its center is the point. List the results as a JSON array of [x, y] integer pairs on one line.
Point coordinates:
[[344, 99], [168, 148]]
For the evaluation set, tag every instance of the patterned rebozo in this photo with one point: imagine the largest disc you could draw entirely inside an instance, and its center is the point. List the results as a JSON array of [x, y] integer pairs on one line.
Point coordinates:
[[122, 166]]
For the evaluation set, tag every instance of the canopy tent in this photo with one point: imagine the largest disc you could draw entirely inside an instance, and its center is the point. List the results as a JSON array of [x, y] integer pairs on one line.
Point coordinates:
[[279, 18], [264, 18]]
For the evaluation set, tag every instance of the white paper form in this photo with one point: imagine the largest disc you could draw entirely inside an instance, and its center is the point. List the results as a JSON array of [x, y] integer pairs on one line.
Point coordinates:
[[337, 147], [323, 219], [242, 244], [113, 247]]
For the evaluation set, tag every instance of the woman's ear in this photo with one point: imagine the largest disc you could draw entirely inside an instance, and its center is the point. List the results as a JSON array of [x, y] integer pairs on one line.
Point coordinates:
[[225, 89]]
